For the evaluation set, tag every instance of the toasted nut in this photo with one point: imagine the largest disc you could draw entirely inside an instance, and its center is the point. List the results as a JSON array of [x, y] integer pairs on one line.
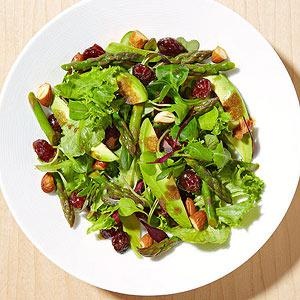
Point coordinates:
[[45, 94], [100, 165], [146, 241], [190, 206], [78, 57], [48, 183], [165, 117], [242, 128], [137, 39], [199, 220], [219, 55]]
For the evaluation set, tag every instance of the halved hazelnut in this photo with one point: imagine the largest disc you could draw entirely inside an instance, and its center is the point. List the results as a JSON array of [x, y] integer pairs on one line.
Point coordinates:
[[164, 117], [146, 241], [219, 55], [48, 183], [45, 94], [137, 39]]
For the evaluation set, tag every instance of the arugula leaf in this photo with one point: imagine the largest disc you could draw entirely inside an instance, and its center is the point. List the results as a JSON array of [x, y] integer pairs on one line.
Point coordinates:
[[233, 215], [198, 151], [222, 124], [131, 226], [221, 156], [209, 235], [127, 207], [211, 141]]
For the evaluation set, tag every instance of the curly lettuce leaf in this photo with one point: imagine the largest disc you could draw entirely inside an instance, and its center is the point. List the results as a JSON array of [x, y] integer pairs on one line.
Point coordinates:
[[208, 236]]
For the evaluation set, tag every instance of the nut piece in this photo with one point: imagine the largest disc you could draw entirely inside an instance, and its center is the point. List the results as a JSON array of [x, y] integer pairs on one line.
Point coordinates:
[[164, 117], [146, 241], [45, 94], [48, 183], [190, 206], [100, 165], [219, 55], [137, 39], [78, 57], [199, 219]]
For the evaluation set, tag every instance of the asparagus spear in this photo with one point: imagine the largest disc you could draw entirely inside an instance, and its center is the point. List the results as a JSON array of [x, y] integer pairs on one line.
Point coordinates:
[[215, 185], [211, 69], [64, 201], [102, 61], [191, 57], [209, 208], [135, 120], [51, 134]]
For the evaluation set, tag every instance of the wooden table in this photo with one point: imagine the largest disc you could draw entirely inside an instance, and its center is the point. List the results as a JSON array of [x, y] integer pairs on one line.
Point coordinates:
[[273, 273]]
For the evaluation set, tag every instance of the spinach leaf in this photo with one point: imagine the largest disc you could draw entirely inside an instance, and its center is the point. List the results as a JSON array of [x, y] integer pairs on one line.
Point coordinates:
[[192, 45], [189, 133], [127, 207]]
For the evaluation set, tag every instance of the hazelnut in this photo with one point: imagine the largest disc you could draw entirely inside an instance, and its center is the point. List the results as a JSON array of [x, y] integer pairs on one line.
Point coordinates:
[[78, 57], [48, 183], [218, 55], [100, 165], [137, 39], [199, 220], [146, 241], [164, 117]]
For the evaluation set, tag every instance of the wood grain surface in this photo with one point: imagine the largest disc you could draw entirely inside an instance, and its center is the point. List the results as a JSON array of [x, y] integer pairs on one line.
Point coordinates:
[[273, 273]]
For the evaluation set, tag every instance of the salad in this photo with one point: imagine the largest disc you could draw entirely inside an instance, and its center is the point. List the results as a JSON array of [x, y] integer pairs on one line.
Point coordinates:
[[150, 142]]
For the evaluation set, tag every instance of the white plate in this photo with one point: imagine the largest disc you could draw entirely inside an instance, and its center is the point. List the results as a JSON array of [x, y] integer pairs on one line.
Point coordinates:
[[264, 83]]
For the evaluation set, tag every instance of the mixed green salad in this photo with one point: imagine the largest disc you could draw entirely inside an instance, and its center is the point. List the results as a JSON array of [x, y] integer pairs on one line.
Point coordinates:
[[148, 137]]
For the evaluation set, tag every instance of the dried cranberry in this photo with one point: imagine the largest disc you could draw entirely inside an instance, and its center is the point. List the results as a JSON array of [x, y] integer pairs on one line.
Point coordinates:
[[54, 123], [76, 201], [143, 73], [189, 181], [44, 150], [93, 51], [120, 242], [116, 217], [109, 233], [170, 47], [201, 89], [111, 139], [140, 187]]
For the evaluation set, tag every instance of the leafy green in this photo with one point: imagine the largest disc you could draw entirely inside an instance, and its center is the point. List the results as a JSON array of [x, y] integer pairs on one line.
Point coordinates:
[[209, 235], [105, 221], [131, 225], [158, 248], [127, 207], [211, 141], [197, 151], [173, 75], [189, 133], [209, 120], [221, 156], [192, 45], [232, 215]]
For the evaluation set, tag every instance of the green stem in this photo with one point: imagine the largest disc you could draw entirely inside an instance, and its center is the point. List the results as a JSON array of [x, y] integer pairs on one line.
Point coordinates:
[[211, 69], [51, 134], [136, 120], [209, 208], [68, 210]]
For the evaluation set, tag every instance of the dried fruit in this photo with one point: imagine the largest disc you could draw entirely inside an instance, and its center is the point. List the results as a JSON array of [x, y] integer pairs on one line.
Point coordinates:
[[170, 47], [111, 139], [189, 181], [143, 73], [218, 55], [100, 165], [201, 89], [93, 51], [199, 220], [78, 57], [45, 94], [146, 241], [54, 123], [109, 233], [77, 201], [190, 206], [120, 241], [164, 117], [48, 183], [137, 39], [44, 150]]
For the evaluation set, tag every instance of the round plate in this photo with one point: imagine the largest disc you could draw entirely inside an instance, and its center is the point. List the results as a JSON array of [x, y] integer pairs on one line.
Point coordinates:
[[264, 83]]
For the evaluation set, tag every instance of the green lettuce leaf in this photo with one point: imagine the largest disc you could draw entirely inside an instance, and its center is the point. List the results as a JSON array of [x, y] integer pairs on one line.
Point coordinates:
[[127, 207], [221, 156], [209, 235], [198, 151]]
